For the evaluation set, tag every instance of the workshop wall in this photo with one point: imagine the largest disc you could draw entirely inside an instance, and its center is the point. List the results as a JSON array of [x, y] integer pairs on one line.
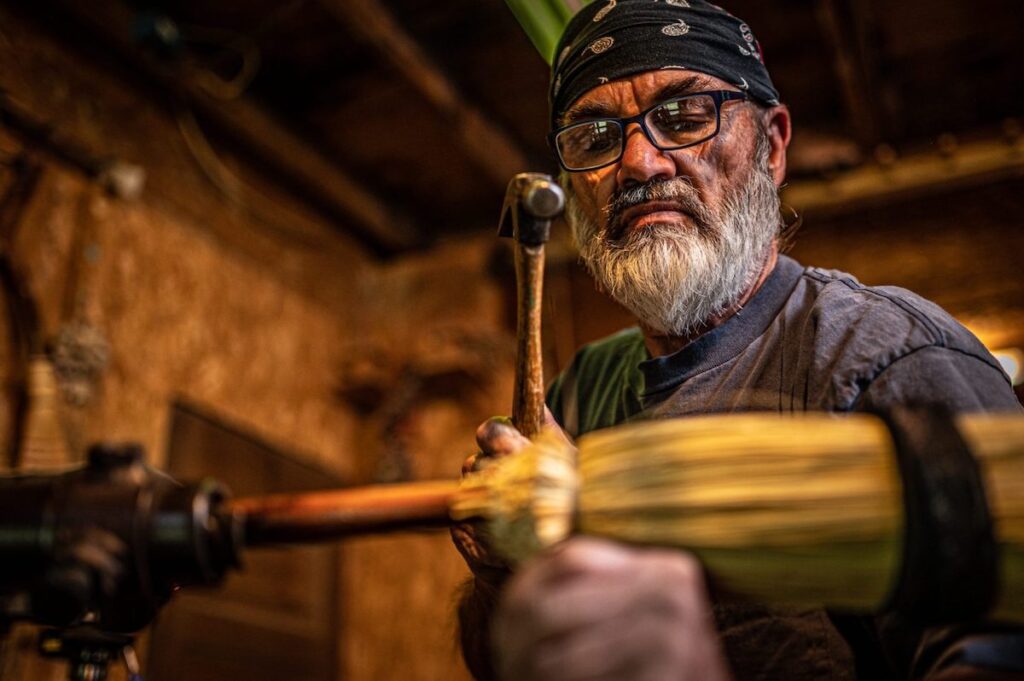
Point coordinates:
[[216, 288], [255, 312], [958, 246]]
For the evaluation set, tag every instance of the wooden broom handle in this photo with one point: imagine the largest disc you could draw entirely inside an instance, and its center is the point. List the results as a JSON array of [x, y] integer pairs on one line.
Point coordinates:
[[331, 515]]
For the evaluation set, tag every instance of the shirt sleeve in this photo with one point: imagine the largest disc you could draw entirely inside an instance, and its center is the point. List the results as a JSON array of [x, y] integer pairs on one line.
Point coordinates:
[[960, 381], [963, 383]]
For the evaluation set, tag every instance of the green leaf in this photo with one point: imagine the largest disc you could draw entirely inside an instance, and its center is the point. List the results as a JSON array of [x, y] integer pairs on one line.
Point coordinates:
[[544, 21]]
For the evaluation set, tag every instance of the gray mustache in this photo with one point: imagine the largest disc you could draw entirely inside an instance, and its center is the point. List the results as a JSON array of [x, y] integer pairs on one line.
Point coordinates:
[[677, 190]]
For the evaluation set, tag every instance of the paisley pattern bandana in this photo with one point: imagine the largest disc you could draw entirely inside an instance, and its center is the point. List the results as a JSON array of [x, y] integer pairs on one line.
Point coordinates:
[[610, 39]]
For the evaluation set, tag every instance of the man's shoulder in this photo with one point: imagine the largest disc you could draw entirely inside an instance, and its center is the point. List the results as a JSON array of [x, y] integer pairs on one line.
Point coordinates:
[[611, 347], [882, 316], [606, 362], [854, 333], [590, 392]]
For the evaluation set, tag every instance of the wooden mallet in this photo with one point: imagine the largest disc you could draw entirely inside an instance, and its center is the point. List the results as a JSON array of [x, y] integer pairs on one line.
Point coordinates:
[[532, 201]]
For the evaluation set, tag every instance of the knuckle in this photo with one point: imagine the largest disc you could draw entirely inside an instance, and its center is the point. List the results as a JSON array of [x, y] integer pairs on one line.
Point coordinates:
[[685, 569], [477, 462], [483, 432], [570, 557], [490, 429], [498, 436]]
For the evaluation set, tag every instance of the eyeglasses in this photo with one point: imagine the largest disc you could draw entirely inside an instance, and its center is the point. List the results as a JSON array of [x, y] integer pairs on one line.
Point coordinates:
[[675, 124]]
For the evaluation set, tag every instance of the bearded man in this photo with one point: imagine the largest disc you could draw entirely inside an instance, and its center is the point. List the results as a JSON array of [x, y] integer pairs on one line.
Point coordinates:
[[673, 143]]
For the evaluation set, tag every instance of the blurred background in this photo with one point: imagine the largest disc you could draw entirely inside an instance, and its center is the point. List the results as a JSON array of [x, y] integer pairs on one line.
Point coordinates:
[[259, 238]]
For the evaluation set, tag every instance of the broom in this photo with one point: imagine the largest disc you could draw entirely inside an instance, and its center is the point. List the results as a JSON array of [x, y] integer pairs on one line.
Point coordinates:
[[805, 510]]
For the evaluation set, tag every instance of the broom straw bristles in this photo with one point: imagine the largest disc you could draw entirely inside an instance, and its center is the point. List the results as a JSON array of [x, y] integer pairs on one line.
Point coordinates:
[[527, 499], [802, 510], [775, 507]]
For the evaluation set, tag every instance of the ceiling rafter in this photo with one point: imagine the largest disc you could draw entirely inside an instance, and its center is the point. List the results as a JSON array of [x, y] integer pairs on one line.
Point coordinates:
[[490, 147], [364, 214], [921, 174], [838, 20]]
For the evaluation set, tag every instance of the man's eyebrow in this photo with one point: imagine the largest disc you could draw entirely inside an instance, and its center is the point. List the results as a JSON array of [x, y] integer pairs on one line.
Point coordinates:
[[587, 110], [679, 88]]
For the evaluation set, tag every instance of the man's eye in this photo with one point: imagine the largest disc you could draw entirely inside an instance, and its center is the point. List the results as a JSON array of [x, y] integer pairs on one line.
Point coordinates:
[[683, 116], [591, 138], [601, 137], [680, 123], [677, 119]]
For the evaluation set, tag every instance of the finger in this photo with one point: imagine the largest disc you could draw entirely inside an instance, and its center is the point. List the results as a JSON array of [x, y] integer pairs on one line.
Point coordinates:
[[579, 555], [471, 542], [549, 614], [473, 463], [466, 541], [551, 424], [607, 651], [631, 646], [590, 580], [610, 649], [497, 437]]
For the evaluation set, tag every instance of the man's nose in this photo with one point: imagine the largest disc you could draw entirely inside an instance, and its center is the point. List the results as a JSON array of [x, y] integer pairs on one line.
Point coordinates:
[[642, 161]]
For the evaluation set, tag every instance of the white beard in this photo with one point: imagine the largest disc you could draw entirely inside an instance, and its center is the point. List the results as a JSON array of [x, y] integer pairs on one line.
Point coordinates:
[[676, 277]]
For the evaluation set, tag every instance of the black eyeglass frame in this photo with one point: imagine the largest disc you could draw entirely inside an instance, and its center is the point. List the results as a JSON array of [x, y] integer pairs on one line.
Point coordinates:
[[718, 96]]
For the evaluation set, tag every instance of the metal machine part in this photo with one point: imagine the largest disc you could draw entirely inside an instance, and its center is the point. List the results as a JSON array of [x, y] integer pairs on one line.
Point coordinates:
[[89, 652], [108, 543]]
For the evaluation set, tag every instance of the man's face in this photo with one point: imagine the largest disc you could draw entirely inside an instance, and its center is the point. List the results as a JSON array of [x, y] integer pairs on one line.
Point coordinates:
[[676, 235]]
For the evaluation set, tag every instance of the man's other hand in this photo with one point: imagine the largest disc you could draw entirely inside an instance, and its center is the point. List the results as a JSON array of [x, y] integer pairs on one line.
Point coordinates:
[[595, 610], [496, 438]]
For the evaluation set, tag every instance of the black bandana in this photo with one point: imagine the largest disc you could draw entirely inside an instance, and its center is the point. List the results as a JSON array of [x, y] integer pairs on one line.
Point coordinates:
[[610, 39]]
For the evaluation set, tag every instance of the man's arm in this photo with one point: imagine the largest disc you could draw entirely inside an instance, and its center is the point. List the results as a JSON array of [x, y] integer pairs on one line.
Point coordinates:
[[963, 383], [477, 603], [496, 438]]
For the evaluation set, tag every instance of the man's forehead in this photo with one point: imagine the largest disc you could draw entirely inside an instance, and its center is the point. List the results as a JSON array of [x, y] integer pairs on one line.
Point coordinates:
[[628, 96]]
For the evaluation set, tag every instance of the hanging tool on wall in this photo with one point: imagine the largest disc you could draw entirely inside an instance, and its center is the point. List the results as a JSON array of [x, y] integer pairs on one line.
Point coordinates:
[[22, 314], [120, 178]]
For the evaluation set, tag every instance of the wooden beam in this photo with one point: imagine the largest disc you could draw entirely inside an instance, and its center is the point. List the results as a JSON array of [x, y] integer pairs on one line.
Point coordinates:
[[905, 178], [379, 225], [837, 20], [910, 176], [490, 147]]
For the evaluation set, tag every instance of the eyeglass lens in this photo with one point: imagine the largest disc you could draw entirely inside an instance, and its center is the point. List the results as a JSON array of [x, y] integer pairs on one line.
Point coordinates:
[[673, 124]]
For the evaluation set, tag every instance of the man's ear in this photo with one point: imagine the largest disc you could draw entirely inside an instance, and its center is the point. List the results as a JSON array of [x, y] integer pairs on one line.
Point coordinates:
[[779, 127]]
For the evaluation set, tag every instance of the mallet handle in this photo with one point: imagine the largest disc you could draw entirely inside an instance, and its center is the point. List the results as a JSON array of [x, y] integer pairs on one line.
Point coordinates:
[[528, 395]]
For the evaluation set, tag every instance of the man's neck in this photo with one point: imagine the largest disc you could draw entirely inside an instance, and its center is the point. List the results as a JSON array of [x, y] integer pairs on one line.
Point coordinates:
[[660, 344]]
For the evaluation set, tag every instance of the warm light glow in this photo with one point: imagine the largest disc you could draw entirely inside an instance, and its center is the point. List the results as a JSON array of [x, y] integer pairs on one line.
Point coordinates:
[[1012, 360]]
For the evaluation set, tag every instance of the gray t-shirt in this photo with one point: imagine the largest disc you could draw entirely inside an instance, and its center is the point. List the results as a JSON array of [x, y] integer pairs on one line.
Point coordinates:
[[809, 340]]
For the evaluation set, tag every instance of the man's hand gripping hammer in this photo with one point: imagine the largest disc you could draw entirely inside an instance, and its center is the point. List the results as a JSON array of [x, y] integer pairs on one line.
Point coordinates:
[[532, 201]]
